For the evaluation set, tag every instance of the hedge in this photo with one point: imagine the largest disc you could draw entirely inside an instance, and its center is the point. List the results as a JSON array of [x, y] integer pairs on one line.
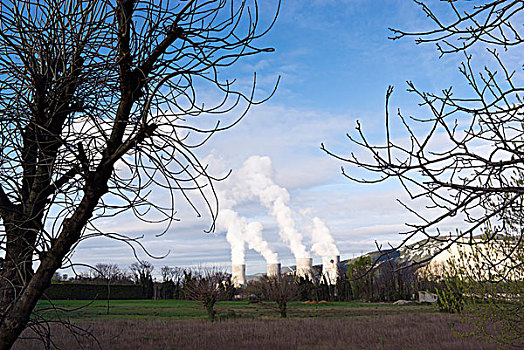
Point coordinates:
[[84, 291]]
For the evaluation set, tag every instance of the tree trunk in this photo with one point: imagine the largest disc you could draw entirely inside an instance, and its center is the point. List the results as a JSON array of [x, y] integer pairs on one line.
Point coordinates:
[[210, 307], [16, 312], [283, 309]]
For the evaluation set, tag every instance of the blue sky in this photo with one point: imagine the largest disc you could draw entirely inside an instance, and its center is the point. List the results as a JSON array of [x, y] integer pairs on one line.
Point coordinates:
[[335, 63]]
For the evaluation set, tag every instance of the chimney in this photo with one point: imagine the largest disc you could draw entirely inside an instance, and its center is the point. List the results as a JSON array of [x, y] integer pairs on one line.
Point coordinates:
[[330, 268], [273, 270], [304, 267], [238, 275]]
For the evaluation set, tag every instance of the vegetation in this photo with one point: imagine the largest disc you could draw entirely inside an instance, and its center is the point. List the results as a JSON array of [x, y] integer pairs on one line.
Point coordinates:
[[459, 158], [280, 289], [488, 292], [451, 295], [98, 110], [208, 285], [192, 310], [335, 325]]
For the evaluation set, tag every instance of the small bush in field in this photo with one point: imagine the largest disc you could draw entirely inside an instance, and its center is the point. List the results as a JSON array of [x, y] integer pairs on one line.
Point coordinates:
[[451, 297]]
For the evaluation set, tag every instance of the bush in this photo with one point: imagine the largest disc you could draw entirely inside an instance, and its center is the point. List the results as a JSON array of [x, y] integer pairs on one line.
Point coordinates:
[[451, 296], [84, 291]]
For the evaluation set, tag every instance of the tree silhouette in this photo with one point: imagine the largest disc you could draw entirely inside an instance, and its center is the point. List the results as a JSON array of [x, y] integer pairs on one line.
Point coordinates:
[[461, 161], [99, 105]]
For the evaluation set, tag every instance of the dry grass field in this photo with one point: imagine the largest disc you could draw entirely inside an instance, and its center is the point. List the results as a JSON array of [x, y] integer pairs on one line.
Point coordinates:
[[181, 325]]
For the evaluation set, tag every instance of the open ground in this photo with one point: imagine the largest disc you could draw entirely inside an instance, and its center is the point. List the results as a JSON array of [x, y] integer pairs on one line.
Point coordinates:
[[176, 324]]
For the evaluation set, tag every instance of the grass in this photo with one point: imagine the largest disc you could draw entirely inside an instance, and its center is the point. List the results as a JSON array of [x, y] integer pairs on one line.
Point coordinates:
[[176, 324], [185, 310]]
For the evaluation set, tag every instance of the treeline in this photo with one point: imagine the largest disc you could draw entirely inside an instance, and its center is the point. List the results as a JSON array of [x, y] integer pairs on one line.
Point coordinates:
[[109, 281], [360, 280], [387, 280]]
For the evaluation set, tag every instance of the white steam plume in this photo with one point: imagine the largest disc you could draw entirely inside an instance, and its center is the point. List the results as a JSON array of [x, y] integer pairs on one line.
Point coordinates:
[[240, 231], [253, 237], [254, 179], [322, 240], [234, 225]]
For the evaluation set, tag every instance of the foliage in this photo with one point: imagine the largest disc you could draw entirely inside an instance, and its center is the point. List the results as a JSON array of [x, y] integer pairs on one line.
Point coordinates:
[[142, 274], [360, 275], [451, 296], [494, 284]]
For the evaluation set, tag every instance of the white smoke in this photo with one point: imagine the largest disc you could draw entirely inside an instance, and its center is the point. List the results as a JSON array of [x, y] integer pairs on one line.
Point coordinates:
[[254, 179], [253, 237], [322, 240], [234, 225], [239, 230]]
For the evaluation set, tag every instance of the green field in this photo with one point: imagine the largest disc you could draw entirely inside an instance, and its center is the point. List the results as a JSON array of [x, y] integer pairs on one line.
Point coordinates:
[[181, 324], [184, 310]]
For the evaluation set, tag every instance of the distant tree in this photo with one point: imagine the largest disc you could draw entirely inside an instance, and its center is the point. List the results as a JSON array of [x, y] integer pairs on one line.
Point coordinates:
[[170, 286], [280, 290], [208, 285], [394, 281], [360, 276], [56, 278], [109, 272], [143, 275], [173, 274], [99, 106], [343, 288]]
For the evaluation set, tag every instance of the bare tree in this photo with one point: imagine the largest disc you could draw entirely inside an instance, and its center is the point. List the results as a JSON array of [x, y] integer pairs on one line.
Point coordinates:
[[109, 272], [464, 160], [460, 162], [281, 290], [208, 285], [172, 274], [142, 270], [99, 105]]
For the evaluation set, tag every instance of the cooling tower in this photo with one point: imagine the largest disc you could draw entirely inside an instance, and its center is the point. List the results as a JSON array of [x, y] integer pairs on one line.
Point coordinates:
[[273, 270], [238, 275], [330, 268], [304, 266]]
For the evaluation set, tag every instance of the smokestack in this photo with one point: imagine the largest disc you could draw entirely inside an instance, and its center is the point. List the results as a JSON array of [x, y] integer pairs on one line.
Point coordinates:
[[304, 267], [273, 270], [330, 268], [238, 275]]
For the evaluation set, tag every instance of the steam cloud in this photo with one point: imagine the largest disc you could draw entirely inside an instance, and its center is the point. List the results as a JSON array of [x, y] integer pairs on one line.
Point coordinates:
[[323, 242], [240, 231], [254, 180], [229, 221]]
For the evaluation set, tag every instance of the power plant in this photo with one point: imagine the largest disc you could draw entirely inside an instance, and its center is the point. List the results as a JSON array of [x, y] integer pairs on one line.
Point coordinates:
[[328, 274], [254, 181], [273, 270], [238, 275], [304, 267], [330, 269]]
